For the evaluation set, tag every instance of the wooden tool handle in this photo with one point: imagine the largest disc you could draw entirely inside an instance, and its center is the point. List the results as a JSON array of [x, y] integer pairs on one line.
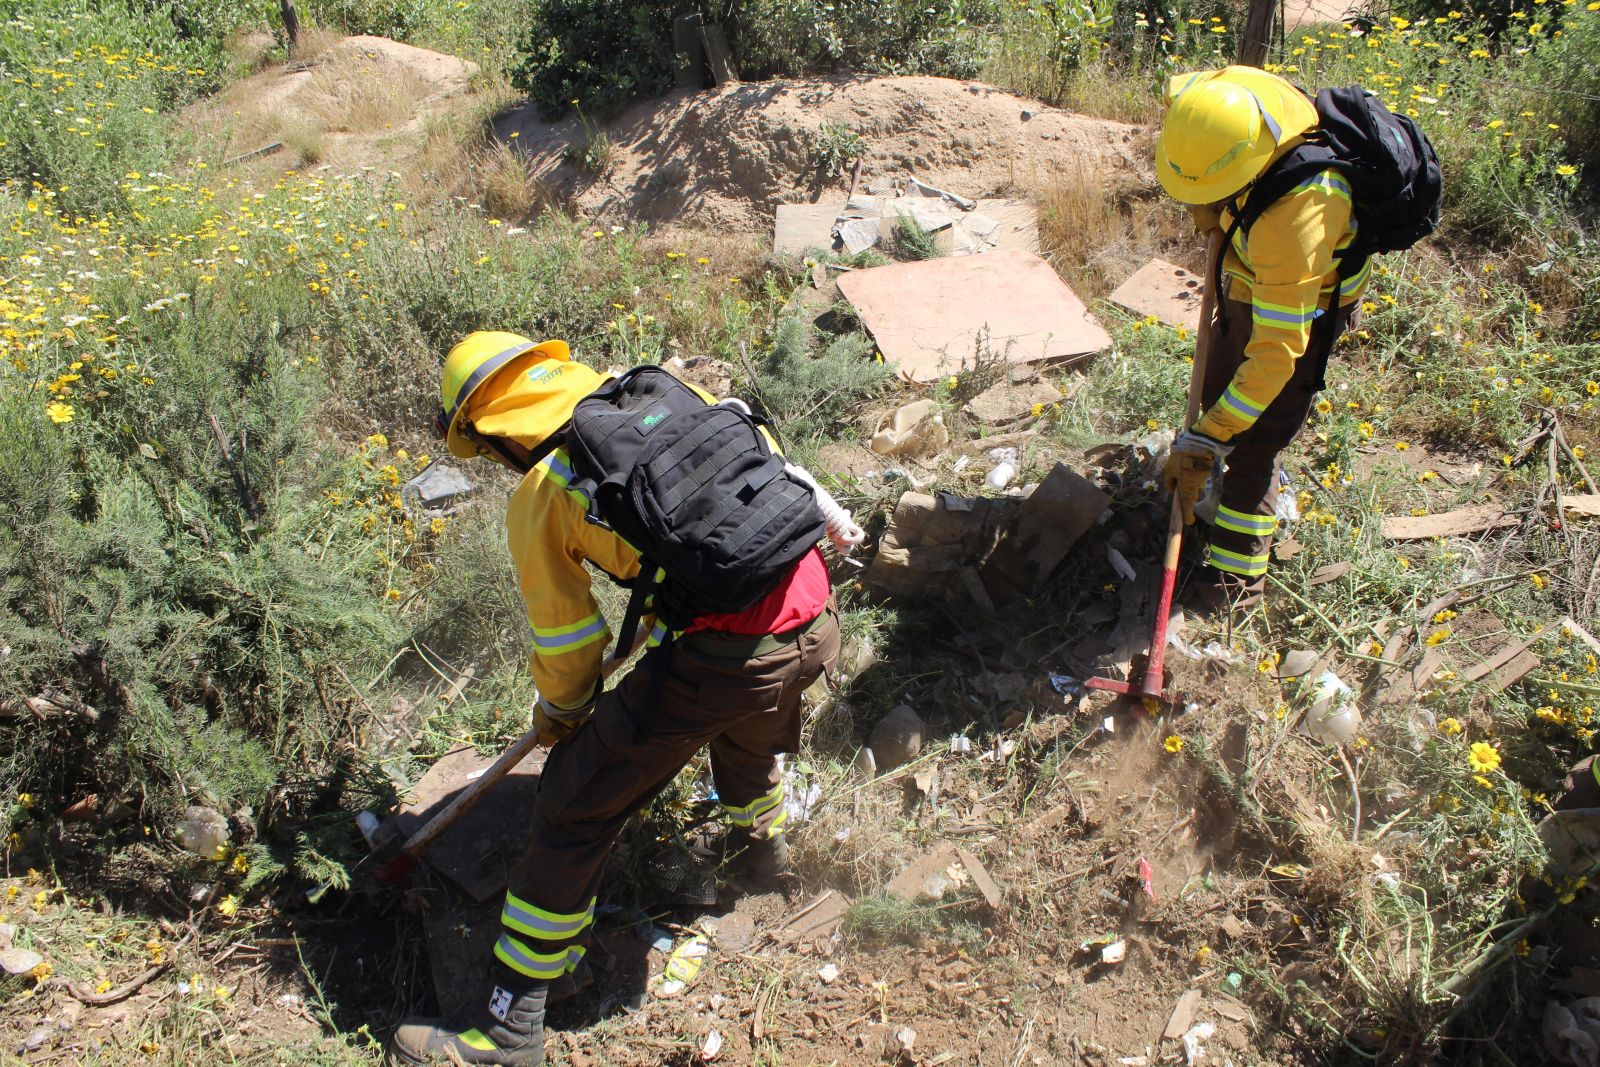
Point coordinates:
[[418, 842]]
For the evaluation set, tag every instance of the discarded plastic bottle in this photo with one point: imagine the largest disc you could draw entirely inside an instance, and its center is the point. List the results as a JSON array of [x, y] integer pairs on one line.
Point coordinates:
[[204, 831], [1004, 469]]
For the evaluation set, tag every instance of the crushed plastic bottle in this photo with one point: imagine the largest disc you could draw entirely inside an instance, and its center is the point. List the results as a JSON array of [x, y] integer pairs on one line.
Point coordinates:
[[204, 831], [1334, 718]]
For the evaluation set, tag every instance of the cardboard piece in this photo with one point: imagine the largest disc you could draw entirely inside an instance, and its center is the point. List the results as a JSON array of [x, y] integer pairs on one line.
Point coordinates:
[[476, 852], [939, 316], [1164, 290], [927, 876], [931, 539], [1474, 518]]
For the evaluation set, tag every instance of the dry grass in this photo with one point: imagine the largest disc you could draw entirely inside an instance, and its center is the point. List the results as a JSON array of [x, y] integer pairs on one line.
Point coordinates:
[[1096, 233], [505, 187], [304, 140], [365, 99]]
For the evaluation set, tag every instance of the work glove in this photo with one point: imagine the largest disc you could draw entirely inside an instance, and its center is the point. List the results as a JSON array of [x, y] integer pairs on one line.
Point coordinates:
[[552, 723], [1189, 464]]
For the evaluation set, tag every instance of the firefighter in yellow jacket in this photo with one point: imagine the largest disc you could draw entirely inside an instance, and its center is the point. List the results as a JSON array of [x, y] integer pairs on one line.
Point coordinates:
[[730, 681], [1278, 317]]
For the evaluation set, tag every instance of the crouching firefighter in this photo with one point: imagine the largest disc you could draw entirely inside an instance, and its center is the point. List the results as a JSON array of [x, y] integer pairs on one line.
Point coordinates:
[[1305, 192], [688, 503]]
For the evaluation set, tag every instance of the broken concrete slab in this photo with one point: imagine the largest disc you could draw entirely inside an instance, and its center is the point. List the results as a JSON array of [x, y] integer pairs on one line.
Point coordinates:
[[1474, 518], [996, 224], [858, 235], [1165, 290], [1008, 402], [941, 316]]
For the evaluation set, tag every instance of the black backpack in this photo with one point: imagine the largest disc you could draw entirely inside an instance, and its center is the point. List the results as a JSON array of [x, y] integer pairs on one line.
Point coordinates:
[[696, 488], [1391, 166]]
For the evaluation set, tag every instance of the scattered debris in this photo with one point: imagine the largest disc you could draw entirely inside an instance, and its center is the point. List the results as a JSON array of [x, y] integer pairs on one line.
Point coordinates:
[[828, 973], [1164, 290], [1581, 503], [1194, 1040], [915, 429], [1296, 663], [19, 961], [1004, 469], [683, 966], [711, 1048], [1475, 518], [927, 877], [940, 316], [901, 1042], [815, 920], [1114, 953], [863, 222], [1330, 573]]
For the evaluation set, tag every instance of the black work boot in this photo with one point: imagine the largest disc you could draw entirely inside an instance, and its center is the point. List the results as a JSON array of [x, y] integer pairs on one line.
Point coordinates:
[[508, 1030], [758, 862]]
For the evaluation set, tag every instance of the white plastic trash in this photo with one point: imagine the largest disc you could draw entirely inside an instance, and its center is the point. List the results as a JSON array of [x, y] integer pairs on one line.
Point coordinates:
[[1334, 718], [1004, 469]]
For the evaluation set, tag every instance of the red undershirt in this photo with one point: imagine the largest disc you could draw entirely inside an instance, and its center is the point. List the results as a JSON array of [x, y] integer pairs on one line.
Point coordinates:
[[797, 599]]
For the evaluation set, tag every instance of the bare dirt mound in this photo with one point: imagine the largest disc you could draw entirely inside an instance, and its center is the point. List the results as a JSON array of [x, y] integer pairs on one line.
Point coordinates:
[[357, 101], [727, 157]]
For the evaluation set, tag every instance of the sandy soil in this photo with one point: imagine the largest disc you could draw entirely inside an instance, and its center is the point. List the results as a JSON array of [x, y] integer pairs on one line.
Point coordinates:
[[726, 157]]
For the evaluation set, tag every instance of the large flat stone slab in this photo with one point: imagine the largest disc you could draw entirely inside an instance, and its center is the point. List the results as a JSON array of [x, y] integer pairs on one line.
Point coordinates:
[[940, 316]]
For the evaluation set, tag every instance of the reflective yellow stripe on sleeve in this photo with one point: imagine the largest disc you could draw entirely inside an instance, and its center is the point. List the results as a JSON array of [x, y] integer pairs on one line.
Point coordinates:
[[553, 640]]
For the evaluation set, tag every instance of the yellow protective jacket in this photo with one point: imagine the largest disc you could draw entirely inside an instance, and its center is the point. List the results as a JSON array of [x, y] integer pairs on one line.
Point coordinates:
[[549, 542], [1285, 269]]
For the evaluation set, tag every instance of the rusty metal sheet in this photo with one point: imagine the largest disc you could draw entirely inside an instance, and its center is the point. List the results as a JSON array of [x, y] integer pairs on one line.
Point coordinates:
[[939, 316]]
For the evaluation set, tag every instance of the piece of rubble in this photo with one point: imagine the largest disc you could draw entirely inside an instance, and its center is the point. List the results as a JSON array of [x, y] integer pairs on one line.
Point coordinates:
[[897, 738], [1052, 520], [1183, 1013], [858, 235], [930, 539], [437, 489], [1511, 663], [1164, 290], [1008, 402], [941, 316], [915, 187], [1474, 518], [735, 932], [1572, 1032]]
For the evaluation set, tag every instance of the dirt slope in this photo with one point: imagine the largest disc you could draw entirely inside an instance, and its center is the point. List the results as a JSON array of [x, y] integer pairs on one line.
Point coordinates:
[[359, 101], [727, 157]]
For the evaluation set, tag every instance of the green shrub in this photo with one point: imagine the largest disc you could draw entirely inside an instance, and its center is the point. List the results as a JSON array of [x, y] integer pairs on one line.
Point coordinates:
[[797, 37], [399, 19], [598, 54], [808, 393], [85, 83]]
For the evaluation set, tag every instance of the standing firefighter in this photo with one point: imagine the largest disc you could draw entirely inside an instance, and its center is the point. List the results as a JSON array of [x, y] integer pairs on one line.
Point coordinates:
[[1305, 192], [617, 471]]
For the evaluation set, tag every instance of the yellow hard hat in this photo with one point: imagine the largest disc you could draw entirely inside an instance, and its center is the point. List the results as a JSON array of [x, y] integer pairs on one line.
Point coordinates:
[[1222, 128], [474, 360]]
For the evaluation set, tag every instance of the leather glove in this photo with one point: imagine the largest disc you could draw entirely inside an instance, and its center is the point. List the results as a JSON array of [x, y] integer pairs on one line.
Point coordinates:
[[1189, 464], [552, 723]]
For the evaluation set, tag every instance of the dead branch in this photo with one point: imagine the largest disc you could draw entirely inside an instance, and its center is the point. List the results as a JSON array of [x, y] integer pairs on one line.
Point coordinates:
[[49, 704], [240, 484]]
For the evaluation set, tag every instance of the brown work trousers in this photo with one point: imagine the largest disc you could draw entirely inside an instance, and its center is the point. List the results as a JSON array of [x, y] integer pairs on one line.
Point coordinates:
[[701, 689], [1239, 538]]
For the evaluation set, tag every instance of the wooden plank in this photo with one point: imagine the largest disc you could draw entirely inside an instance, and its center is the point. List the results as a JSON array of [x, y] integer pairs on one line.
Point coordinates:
[[1475, 518]]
